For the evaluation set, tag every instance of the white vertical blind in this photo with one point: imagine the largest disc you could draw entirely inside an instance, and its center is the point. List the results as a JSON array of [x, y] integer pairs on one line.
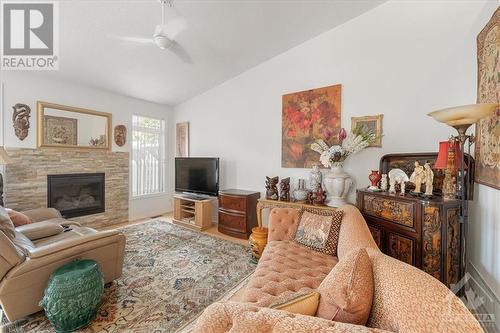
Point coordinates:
[[148, 155]]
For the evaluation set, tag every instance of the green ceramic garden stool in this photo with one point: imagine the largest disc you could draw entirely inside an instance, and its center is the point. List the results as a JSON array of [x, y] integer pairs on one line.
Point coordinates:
[[73, 295]]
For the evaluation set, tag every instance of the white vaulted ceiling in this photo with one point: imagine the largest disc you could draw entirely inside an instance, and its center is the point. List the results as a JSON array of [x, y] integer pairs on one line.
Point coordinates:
[[224, 38]]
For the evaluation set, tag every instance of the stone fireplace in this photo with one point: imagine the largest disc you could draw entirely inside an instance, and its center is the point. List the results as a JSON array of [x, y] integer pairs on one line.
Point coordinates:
[[77, 194], [74, 179]]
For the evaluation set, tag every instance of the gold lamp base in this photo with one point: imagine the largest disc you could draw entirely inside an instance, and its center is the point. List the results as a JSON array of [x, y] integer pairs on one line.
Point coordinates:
[[449, 185]]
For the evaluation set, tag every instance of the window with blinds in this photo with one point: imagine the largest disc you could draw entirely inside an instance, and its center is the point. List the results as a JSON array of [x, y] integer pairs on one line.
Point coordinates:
[[148, 155]]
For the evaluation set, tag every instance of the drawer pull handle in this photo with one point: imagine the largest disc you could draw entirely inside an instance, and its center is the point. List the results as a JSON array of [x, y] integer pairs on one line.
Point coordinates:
[[231, 212]]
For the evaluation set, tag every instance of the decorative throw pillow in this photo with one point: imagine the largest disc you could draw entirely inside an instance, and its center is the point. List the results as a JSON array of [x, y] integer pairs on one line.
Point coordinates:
[[304, 303], [18, 218], [347, 291], [319, 230], [6, 225]]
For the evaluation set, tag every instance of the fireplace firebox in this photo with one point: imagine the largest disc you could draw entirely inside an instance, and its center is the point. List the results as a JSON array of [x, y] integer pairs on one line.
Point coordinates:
[[76, 194]]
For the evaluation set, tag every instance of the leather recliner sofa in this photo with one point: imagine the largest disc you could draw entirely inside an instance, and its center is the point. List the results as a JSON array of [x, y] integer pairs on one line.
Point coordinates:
[[42, 247]]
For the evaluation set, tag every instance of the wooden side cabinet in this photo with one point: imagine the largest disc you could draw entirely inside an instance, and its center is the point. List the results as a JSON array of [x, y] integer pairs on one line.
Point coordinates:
[[237, 212], [422, 233]]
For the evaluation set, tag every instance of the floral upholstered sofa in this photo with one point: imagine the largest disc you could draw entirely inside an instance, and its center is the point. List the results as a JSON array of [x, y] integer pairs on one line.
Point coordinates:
[[405, 299]]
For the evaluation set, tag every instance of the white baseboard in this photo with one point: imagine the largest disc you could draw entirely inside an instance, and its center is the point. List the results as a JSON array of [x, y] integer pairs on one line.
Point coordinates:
[[491, 300]]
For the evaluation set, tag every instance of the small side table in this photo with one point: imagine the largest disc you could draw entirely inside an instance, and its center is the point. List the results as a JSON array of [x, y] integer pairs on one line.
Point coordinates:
[[237, 213], [258, 241], [73, 295]]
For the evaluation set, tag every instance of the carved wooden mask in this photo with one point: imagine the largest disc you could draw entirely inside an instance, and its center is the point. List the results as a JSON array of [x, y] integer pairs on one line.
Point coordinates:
[[120, 135], [21, 120]]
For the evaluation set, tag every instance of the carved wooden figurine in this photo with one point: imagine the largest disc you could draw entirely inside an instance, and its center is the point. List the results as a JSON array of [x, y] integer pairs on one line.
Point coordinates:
[[320, 196], [120, 135], [383, 184], [418, 177], [271, 188], [403, 187], [285, 189], [397, 176], [310, 197], [429, 178], [21, 120], [392, 187]]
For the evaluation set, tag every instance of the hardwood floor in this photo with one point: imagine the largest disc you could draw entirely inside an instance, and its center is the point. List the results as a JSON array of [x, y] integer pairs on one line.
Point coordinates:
[[212, 231]]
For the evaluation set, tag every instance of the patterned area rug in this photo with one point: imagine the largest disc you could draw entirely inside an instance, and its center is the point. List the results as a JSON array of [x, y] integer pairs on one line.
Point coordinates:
[[170, 275]]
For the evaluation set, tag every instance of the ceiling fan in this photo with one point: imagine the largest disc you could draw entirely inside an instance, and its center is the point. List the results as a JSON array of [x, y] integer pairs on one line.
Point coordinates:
[[172, 24]]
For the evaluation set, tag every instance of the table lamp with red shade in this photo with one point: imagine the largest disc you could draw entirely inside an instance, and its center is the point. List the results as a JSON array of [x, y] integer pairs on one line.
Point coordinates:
[[448, 159]]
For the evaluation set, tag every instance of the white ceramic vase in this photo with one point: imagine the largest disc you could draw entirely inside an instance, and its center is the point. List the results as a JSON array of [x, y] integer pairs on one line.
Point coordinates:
[[337, 184]]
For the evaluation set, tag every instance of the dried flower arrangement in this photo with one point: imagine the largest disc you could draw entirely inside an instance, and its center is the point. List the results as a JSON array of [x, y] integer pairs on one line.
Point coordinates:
[[359, 138]]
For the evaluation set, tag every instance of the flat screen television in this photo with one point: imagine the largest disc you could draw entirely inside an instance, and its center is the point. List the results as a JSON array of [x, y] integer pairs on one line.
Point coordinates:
[[199, 175]]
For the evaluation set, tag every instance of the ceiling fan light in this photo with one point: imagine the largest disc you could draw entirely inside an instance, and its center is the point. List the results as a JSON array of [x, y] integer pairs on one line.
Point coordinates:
[[163, 42]]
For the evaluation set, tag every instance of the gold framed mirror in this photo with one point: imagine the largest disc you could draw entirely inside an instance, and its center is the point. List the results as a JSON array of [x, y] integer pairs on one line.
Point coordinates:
[[61, 126]]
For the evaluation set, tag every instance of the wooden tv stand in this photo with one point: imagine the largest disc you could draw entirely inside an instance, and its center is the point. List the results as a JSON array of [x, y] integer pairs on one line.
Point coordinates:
[[193, 213]]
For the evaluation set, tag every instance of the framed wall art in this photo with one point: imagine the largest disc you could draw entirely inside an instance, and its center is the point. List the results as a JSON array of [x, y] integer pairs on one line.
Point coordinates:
[[307, 116], [373, 123], [60, 130], [487, 148], [182, 139]]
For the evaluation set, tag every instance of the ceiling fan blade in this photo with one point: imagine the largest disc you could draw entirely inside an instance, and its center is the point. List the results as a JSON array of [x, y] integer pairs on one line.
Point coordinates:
[[180, 52], [132, 39]]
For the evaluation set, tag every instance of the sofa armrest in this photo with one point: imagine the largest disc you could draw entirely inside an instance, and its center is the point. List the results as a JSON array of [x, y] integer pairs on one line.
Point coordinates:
[[408, 300], [243, 317], [40, 230], [354, 232], [51, 249], [106, 247], [42, 214], [283, 223]]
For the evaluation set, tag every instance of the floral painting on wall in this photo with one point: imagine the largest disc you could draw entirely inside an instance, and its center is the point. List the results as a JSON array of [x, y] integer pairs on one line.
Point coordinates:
[[307, 116], [488, 91]]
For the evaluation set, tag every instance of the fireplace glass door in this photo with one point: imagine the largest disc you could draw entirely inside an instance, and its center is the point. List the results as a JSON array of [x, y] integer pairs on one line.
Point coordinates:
[[76, 194]]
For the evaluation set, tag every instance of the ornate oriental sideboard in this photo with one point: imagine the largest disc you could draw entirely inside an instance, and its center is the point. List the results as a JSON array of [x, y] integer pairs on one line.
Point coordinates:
[[422, 232]]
